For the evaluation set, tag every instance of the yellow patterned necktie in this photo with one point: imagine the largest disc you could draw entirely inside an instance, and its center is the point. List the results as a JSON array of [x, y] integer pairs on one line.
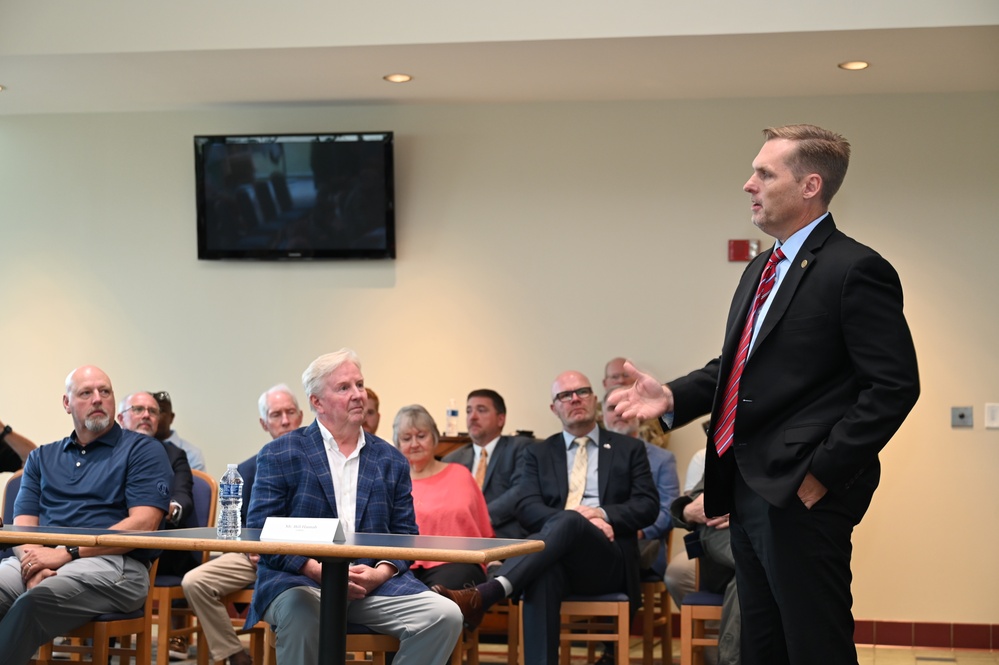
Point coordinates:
[[577, 478], [480, 470]]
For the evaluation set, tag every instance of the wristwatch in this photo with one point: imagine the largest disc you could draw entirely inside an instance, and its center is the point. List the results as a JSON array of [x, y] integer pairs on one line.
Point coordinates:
[[7, 429], [74, 552]]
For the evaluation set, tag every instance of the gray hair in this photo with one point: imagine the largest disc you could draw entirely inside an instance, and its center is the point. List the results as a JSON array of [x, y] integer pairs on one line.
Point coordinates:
[[123, 404], [414, 415], [319, 369], [279, 388]]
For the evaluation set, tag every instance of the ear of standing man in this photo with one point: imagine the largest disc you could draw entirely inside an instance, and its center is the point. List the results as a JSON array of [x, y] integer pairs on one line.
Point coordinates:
[[817, 371]]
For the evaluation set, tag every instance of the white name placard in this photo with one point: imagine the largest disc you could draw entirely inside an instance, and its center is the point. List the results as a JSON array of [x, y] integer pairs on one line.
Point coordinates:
[[303, 529]]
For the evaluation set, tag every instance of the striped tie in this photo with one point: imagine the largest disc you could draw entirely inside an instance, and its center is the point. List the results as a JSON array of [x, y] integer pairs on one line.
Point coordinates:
[[577, 477], [725, 431]]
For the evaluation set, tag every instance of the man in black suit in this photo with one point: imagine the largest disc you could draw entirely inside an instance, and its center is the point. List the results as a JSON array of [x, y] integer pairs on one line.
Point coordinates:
[[496, 458], [817, 372], [140, 412], [588, 514]]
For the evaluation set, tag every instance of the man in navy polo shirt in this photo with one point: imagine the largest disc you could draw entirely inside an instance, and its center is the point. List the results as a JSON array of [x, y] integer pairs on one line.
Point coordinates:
[[100, 476]]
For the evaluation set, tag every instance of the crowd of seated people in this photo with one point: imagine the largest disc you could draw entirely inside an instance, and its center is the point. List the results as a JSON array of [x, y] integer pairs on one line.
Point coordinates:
[[595, 510]]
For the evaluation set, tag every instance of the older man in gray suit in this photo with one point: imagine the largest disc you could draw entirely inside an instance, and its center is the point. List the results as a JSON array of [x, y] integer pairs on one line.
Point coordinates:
[[493, 459]]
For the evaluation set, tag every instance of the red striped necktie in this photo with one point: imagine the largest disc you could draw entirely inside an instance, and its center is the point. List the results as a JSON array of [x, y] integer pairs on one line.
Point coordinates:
[[725, 431]]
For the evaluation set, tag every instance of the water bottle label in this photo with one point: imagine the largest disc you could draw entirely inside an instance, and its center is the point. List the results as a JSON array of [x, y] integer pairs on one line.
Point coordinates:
[[231, 491]]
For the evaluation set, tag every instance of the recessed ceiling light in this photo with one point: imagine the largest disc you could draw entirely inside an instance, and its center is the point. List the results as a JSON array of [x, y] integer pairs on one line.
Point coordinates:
[[854, 65], [398, 78]]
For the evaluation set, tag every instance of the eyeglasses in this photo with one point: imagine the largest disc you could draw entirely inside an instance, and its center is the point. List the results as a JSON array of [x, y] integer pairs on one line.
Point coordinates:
[[566, 395], [138, 410], [162, 396]]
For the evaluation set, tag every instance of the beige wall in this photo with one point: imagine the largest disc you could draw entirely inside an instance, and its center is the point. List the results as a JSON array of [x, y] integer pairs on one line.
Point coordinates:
[[111, 26], [532, 239]]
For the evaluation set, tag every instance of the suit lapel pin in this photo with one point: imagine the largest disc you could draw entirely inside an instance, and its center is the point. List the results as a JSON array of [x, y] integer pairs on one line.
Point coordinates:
[[804, 262], [607, 446]]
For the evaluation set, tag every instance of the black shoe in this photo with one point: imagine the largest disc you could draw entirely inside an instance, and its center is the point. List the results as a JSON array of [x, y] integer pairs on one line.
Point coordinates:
[[605, 659]]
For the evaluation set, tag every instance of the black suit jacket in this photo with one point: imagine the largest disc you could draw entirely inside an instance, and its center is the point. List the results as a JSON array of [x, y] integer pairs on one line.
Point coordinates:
[[178, 562], [628, 493], [831, 377], [502, 473]]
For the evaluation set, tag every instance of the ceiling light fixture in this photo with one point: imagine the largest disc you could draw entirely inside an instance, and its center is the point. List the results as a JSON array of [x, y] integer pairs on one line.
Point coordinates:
[[854, 65], [398, 78]]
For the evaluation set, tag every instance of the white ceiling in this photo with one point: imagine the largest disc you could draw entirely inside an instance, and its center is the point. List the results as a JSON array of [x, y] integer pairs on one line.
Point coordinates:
[[904, 60]]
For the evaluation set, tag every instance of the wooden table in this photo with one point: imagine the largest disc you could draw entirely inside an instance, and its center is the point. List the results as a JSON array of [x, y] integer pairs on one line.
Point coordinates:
[[336, 558], [11, 535]]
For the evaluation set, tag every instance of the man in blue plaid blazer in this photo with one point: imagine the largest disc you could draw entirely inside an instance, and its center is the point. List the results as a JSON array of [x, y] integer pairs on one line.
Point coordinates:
[[334, 469]]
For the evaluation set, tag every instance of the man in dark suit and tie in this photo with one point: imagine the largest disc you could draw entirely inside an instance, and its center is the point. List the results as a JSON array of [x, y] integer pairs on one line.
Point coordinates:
[[585, 492], [816, 373], [332, 468], [494, 460]]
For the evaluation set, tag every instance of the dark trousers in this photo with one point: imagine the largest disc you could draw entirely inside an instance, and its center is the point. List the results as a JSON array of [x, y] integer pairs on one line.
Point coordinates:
[[577, 559], [793, 575], [451, 575]]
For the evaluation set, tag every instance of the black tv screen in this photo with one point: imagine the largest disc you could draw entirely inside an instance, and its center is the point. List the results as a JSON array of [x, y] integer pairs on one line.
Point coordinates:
[[295, 196]]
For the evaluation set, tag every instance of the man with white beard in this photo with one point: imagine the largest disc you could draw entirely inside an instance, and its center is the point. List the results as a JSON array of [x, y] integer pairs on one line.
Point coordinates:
[[100, 477]]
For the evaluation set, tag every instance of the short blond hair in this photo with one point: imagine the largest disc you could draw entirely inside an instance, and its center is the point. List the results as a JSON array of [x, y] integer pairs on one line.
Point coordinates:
[[817, 150]]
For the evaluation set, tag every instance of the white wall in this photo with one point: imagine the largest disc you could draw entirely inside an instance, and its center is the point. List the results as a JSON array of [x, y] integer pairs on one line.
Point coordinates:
[[532, 239]]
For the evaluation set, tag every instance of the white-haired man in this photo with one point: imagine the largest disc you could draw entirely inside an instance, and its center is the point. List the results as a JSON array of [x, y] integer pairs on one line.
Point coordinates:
[[205, 586], [295, 479]]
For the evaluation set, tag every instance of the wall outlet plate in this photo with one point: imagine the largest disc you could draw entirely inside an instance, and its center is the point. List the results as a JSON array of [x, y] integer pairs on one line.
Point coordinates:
[[992, 416], [961, 416]]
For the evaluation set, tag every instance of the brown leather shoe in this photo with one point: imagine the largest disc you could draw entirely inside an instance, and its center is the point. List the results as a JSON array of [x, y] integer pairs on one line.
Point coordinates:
[[469, 601]]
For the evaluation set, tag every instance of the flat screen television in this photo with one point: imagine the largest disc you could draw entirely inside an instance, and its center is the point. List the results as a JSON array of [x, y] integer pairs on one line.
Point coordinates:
[[295, 196]]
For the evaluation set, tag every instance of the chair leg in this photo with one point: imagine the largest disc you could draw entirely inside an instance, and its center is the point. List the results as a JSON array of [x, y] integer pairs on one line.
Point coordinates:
[[101, 645], [623, 642], [514, 654], [458, 648], [686, 636]]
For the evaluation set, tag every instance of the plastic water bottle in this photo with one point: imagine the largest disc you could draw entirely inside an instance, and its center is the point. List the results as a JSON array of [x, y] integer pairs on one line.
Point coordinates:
[[451, 423], [230, 504]]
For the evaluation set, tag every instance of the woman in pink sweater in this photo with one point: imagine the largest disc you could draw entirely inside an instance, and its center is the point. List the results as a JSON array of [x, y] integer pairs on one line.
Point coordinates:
[[446, 498]]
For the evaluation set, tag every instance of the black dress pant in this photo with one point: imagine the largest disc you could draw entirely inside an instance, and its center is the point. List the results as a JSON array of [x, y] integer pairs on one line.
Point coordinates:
[[793, 575]]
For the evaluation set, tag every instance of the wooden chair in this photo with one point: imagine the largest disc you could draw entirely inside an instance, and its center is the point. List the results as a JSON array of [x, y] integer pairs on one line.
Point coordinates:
[[697, 608], [593, 620], [167, 588], [656, 621], [9, 494], [102, 629], [589, 619]]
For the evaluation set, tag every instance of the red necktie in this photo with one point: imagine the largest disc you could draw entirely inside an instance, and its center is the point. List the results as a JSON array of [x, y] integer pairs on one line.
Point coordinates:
[[725, 430]]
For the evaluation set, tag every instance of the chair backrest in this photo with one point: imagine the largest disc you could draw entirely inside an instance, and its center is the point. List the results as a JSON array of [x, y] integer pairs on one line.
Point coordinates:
[[205, 493], [9, 494]]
